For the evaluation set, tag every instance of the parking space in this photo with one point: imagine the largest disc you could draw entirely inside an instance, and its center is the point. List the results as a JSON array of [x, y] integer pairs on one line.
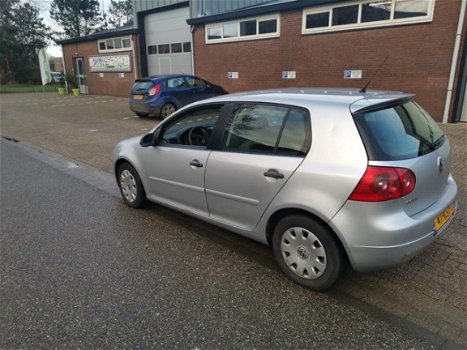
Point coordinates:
[[430, 291], [85, 128]]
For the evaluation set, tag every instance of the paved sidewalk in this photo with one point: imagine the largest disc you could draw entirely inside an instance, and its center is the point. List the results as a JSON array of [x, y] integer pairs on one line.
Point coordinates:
[[429, 291]]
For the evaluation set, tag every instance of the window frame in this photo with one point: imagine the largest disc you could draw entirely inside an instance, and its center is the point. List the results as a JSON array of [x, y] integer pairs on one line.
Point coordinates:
[[362, 25], [218, 143], [256, 36], [182, 43], [121, 38], [167, 123]]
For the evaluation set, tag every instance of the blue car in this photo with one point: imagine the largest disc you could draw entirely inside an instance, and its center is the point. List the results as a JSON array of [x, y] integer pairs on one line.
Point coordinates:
[[161, 95]]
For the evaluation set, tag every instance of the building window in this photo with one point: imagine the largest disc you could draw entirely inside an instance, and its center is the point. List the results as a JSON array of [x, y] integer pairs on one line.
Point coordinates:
[[366, 14], [244, 29], [152, 50], [187, 46], [114, 44], [164, 48], [174, 48]]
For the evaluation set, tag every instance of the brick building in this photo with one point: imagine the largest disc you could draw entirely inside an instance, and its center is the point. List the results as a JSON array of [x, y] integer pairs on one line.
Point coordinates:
[[258, 44], [337, 44], [105, 63]]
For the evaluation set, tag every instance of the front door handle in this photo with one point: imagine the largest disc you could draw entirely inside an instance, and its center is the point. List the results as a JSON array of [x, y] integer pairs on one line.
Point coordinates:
[[196, 163], [274, 174]]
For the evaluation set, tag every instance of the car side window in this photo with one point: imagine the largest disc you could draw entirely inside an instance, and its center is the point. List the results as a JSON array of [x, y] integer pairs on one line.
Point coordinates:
[[193, 129], [296, 135], [195, 82], [267, 129], [175, 83]]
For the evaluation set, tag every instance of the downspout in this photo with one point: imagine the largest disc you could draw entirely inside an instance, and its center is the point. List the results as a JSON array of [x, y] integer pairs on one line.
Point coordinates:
[[192, 29], [134, 56], [455, 56]]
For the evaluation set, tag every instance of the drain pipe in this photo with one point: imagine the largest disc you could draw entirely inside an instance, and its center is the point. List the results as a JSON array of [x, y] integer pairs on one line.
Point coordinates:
[[455, 56]]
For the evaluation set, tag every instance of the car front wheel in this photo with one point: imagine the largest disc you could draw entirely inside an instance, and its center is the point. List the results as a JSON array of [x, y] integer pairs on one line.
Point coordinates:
[[131, 187], [307, 252]]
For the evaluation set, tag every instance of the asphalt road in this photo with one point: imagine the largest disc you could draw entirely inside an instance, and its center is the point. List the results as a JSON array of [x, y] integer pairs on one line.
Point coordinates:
[[79, 269]]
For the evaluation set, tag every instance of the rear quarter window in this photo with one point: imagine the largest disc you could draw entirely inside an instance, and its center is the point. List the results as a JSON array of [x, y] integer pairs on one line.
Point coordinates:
[[400, 132]]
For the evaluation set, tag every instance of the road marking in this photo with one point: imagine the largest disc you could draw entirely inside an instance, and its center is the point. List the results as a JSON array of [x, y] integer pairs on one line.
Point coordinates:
[[126, 118], [93, 130]]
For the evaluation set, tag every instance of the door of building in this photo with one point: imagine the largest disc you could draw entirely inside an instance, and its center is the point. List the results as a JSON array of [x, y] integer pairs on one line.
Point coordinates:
[[80, 75], [168, 42]]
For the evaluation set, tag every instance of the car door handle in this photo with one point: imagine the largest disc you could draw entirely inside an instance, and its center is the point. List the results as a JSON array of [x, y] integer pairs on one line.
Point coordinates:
[[196, 163], [274, 174]]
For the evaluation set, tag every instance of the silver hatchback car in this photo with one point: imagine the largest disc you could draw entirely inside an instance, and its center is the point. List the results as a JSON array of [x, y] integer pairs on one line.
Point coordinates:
[[323, 176]]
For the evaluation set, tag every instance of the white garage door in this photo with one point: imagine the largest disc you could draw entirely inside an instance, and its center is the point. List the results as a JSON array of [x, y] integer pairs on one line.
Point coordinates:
[[168, 42]]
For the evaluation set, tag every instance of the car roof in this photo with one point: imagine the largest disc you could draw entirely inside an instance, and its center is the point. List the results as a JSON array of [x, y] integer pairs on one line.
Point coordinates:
[[306, 97], [165, 76]]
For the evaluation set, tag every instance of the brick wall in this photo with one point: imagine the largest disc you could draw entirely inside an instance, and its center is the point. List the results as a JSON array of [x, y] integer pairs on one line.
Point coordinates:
[[419, 57], [110, 84]]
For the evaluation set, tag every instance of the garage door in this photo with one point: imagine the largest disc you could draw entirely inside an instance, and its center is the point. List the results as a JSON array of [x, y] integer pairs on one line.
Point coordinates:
[[168, 42]]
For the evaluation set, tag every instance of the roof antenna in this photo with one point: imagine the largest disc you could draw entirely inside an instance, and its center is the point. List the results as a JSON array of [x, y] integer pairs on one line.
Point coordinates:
[[363, 90]]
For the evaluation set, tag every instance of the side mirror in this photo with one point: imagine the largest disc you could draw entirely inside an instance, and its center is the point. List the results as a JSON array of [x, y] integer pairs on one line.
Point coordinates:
[[148, 140]]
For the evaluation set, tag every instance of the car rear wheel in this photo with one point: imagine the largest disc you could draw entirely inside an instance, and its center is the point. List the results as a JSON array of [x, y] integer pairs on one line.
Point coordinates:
[[307, 252], [167, 110], [131, 187]]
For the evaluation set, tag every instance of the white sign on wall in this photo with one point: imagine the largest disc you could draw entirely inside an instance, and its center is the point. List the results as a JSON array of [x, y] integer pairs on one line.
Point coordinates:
[[289, 74], [110, 63], [353, 74], [232, 75]]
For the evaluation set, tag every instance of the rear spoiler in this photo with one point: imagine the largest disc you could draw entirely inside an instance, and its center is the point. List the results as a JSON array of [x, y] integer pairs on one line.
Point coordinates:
[[368, 106]]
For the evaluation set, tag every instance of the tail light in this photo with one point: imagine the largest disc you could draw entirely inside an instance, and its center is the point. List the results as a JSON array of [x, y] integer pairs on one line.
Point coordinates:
[[383, 183], [154, 90]]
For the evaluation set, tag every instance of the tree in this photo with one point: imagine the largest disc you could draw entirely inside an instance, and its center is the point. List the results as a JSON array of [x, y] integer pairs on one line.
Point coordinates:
[[120, 13], [23, 33], [77, 17]]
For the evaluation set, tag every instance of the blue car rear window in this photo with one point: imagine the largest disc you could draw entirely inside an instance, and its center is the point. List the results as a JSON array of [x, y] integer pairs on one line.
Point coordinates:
[[142, 85], [401, 132]]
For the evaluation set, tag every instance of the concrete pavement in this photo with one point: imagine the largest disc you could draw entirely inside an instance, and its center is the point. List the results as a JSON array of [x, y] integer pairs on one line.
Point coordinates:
[[430, 291]]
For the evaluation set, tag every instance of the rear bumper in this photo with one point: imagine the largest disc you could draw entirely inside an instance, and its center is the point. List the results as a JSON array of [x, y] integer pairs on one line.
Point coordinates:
[[146, 107], [388, 236]]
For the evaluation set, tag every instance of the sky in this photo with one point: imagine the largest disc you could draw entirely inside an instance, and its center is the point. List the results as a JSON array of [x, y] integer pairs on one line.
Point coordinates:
[[44, 6]]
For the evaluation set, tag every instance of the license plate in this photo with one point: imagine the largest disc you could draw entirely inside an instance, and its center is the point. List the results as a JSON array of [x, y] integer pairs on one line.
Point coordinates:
[[443, 218], [137, 97]]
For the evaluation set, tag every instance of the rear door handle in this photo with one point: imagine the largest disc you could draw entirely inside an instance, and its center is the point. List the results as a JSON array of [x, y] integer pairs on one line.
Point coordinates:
[[274, 174], [196, 163]]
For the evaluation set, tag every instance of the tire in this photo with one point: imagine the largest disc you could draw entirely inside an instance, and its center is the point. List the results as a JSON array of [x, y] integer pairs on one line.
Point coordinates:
[[131, 187], [167, 110], [142, 115], [315, 261]]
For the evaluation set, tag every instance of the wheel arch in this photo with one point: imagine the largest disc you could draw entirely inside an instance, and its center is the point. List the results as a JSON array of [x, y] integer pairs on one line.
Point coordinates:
[[282, 213], [118, 163]]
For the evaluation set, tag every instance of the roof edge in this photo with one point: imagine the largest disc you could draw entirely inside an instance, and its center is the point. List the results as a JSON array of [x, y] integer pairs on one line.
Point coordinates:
[[259, 10], [98, 35]]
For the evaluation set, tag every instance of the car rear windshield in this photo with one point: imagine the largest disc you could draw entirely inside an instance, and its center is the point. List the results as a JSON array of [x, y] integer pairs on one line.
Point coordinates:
[[400, 132], [142, 85]]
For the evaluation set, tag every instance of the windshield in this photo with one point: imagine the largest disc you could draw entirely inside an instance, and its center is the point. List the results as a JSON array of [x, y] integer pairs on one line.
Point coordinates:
[[401, 132]]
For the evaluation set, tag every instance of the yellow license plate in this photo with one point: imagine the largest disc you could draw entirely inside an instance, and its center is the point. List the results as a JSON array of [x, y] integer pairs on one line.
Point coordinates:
[[443, 218], [137, 97]]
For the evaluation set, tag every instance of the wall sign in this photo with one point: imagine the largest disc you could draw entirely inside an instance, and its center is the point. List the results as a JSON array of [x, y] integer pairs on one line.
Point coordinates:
[[353, 74], [110, 63], [289, 74], [232, 75]]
